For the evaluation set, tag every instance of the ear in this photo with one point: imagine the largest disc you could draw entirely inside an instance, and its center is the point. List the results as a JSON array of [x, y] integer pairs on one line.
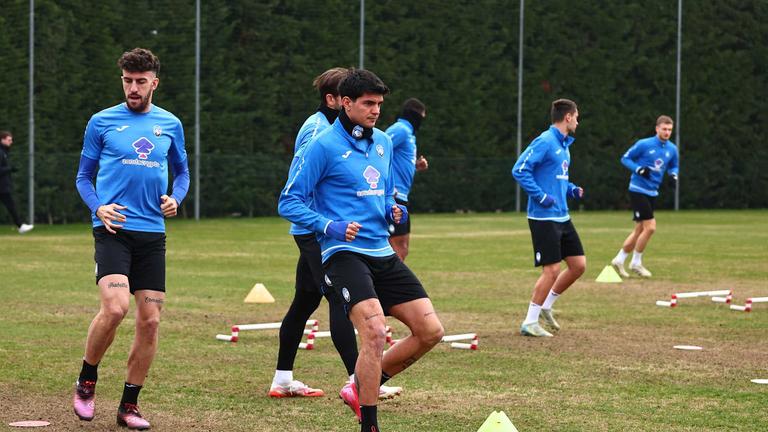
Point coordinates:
[[346, 102], [329, 99], [155, 83]]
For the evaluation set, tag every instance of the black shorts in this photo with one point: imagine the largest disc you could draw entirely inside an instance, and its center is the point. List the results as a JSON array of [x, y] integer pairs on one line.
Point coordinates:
[[403, 228], [642, 206], [553, 241], [136, 254], [355, 277], [310, 275]]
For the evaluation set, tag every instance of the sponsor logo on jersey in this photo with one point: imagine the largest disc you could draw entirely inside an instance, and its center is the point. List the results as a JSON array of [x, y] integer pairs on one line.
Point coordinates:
[[658, 164], [122, 128], [143, 147], [564, 167], [346, 155], [372, 176]]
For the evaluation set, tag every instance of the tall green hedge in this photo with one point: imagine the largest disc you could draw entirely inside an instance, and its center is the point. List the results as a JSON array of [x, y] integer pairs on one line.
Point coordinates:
[[616, 59]]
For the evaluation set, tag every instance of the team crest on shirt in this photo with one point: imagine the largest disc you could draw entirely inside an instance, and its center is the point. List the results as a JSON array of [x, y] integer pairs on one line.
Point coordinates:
[[564, 167], [157, 130], [143, 147], [380, 150]]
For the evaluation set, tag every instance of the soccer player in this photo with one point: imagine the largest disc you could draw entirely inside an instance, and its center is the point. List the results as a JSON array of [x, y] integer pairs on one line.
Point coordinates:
[[134, 145], [648, 159], [310, 288], [405, 164], [6, 184], [348, 170], [542, 171]]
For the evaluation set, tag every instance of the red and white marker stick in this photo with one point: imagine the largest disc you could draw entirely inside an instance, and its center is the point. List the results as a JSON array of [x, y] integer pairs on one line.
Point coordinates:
[[459, 337], [693, 294], [226, 338], [310, 344], [470, 346]]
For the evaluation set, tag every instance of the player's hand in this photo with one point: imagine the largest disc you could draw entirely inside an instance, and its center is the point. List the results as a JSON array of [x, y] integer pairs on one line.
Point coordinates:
[[577, 193], [108, 214], [673, 180], [398, 214], [168, 206], [422, 164], [343, 230], [547, 201], [644, 171]]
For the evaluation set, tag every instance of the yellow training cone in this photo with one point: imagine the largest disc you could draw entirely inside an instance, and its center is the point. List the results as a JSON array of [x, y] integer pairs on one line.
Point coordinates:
[[497, 422], [608, 275], [259, 294]]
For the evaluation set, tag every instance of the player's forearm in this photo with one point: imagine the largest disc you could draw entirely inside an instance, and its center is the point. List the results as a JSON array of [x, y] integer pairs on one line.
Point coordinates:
[[180, 181], [85, 185]]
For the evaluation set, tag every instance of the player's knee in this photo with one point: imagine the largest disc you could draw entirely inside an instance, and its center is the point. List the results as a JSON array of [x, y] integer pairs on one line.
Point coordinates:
[[551, 271], [113, 314], [579, 268], [148, 325], [434, 334], [375, 338]]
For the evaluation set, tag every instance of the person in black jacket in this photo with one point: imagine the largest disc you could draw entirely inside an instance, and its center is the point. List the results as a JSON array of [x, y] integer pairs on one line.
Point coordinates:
[[6, 185]]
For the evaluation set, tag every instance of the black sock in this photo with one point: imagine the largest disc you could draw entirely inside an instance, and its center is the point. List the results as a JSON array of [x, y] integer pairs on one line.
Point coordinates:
[[89, 372], [369, 423], [130, 394], [384, 378]]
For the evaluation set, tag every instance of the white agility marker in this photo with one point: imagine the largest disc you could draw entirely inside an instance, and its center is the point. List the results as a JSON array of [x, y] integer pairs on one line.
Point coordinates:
[[758, 299], [469, 346], [663, 303], [236, 329], [458, 337], [226, 338], [742, 308], [688, 347], [703, 294], [760, 381]]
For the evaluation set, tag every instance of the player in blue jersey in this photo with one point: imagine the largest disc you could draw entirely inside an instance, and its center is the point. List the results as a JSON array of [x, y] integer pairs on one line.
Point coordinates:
[[542, 171], [648, 159], [404, 165], [134, 145], [347, 169]]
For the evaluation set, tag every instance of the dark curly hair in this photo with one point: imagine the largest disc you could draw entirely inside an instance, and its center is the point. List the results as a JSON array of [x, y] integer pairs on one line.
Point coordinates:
[[139, 60]]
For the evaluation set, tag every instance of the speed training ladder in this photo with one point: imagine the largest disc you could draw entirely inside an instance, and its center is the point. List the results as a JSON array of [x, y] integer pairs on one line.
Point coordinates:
[[715, 295], [311, 327]]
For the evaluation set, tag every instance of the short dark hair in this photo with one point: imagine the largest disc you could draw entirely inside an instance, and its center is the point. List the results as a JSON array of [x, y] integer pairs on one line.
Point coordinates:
[[5, 134], [560, 108], [139, 60], [361, 81], [664, 119], [415, 105], [328, 82]]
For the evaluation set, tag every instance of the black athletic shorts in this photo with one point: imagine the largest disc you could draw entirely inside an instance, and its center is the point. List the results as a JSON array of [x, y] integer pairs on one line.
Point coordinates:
[[403, 228], [356, 277], [642, 206], [310, 276], [553, 241], [136, 254]]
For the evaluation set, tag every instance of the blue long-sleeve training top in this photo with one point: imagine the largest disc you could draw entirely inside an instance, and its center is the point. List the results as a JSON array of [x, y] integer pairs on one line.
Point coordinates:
[[133, 152], [404, 158], [541, 170], [315, 124], [351, 180], [660, 156]]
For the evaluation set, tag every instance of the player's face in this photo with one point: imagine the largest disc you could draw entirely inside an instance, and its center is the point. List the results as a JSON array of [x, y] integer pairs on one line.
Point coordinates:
[[664, 131], [138, 88], [364, 110], [7, 141], [572, 122]]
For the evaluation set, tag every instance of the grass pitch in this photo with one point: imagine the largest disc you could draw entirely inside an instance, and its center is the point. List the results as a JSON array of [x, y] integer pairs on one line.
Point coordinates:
[[611, 368]]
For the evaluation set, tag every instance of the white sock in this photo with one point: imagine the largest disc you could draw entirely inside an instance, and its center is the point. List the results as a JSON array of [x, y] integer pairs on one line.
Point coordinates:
[[551, 297], [533, 313], [352, 378], [621, 256], [637, 258], [282, 377]]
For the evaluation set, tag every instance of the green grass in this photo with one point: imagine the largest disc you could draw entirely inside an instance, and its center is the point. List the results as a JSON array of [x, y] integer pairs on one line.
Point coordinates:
[[611, 368]]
